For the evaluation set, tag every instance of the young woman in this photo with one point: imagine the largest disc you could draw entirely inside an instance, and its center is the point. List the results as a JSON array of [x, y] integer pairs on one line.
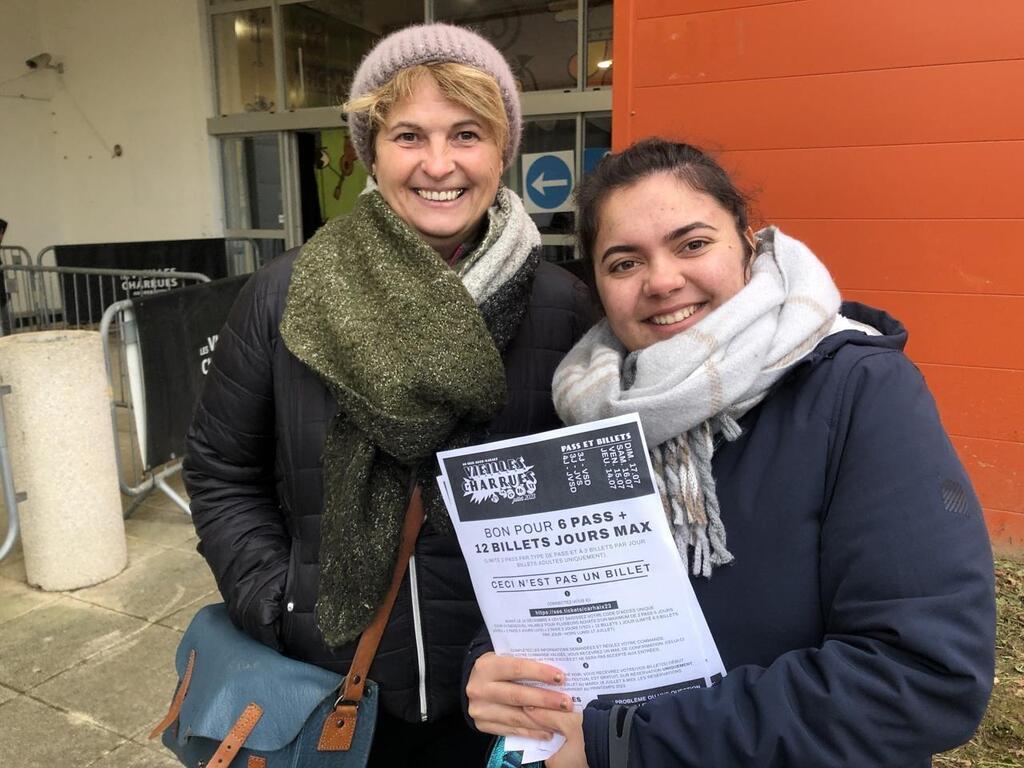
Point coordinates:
[[424, 319], [836, 546]]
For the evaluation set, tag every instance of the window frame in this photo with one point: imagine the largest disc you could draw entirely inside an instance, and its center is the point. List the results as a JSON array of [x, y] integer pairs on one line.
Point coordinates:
[[564, 103]]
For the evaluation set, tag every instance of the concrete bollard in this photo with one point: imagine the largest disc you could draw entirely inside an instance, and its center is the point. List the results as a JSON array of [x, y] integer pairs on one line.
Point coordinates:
[[62, 452]]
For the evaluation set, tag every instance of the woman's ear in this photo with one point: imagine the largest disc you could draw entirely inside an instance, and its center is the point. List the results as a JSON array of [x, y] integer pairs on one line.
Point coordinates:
[[749, 237], [752, 243]]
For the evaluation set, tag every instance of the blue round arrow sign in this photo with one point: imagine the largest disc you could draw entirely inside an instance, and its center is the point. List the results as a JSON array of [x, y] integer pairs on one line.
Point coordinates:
[[549, 181]]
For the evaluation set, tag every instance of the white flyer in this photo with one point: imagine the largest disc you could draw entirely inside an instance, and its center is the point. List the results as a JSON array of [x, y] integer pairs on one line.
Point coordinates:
[[573, 564]]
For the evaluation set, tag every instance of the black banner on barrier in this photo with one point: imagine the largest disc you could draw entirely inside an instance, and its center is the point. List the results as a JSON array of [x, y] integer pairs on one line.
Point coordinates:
[[5, 326], [178, 332], [87, 296]]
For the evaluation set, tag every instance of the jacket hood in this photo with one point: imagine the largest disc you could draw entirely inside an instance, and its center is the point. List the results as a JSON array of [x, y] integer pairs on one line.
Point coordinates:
[[893, 334]]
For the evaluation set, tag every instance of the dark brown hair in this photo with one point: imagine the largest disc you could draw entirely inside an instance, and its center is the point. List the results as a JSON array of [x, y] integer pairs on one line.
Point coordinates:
[[689, 164]]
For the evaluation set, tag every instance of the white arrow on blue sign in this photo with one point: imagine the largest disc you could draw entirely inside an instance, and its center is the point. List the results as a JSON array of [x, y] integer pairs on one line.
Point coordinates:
[[548, 181]]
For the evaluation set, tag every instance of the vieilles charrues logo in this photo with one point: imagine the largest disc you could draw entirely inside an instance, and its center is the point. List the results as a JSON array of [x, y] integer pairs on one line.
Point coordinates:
[[495, 479]]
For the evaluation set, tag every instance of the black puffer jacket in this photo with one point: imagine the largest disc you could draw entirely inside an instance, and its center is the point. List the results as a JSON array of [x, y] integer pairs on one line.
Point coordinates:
[[253, 471]]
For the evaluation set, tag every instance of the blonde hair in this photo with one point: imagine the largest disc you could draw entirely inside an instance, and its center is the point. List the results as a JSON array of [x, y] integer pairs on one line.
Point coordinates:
[[466, 86]]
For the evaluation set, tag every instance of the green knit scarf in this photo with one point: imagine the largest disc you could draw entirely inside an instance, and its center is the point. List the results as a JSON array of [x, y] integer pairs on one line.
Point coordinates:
[[415, 366]]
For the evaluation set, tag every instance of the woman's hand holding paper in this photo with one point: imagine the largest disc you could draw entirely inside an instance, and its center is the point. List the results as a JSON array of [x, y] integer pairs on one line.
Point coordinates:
[[497, 694]]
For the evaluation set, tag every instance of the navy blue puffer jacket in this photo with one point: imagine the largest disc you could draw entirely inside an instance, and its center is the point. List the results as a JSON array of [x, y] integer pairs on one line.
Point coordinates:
[[253, 470], [857, 621]]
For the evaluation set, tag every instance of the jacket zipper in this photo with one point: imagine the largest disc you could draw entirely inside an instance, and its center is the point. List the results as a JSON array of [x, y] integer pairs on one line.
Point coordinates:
[[418, 628]]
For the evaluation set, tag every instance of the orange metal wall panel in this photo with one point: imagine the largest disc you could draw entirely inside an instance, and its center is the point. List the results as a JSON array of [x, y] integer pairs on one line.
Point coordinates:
[[944, 256], [919, 105], [996, 468], [822, 36], [890, 137], [982, 402], [956, 329], [647, 9], [919, 181], [624, 53], [1006, 529]]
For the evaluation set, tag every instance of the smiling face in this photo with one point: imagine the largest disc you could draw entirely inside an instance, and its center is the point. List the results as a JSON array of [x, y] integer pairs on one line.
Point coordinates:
[[664, 257], [437, 166]]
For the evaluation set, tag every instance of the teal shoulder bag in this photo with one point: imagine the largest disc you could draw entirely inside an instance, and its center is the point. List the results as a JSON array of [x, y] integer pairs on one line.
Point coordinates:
[[239, 701]]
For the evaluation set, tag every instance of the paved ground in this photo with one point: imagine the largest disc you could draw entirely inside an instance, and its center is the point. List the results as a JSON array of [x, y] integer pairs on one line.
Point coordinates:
[[85, 674]]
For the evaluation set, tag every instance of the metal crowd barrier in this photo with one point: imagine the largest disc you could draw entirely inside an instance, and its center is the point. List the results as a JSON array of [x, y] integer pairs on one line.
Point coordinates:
[[242, 255], [48, 295], [13, 299], [120, 317], [14, 254], [11, 497]]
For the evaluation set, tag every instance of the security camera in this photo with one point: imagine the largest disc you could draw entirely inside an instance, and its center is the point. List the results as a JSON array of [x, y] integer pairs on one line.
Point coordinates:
[[43, 61]]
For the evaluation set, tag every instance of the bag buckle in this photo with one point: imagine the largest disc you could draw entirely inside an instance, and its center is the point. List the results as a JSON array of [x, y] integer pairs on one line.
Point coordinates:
[[356, 680], [341, 700]]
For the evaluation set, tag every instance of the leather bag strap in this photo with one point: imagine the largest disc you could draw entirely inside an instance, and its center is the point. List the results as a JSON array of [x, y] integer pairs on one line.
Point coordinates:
[[179, 697], [340, 725], [228, 749]]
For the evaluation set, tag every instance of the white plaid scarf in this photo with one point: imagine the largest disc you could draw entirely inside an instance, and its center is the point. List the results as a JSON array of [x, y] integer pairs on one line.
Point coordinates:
[[698, 383]]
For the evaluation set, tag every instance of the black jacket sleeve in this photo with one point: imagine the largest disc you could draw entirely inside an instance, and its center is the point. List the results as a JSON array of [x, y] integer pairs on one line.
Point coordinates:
[[229, 468], [906, 663]]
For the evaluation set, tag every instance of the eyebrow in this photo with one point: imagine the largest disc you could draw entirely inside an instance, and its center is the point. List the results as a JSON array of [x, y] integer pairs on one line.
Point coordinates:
[[405, 124], [675, 234]]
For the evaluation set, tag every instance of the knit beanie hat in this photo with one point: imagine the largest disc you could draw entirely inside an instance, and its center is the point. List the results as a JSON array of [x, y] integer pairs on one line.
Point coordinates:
[[427, 44]]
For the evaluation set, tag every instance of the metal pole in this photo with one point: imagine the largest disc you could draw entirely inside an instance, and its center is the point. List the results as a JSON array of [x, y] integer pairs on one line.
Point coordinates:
[[108, 317], [11, 497]]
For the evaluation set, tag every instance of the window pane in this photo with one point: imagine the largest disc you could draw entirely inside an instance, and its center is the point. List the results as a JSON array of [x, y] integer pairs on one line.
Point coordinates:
[[244, 53], [599, 43], [340, 177], [559, 254], [543, 177], [325, 40], [246, 255], [597, 140], [330, 176], [539, 43], [252, 183], [269, 249]]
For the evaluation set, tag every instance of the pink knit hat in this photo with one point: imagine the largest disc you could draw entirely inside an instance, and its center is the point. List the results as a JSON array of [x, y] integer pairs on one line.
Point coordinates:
[[424, 44]]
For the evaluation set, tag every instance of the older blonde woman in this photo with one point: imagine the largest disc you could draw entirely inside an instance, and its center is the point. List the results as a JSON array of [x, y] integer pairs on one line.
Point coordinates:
[[423, 320]]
